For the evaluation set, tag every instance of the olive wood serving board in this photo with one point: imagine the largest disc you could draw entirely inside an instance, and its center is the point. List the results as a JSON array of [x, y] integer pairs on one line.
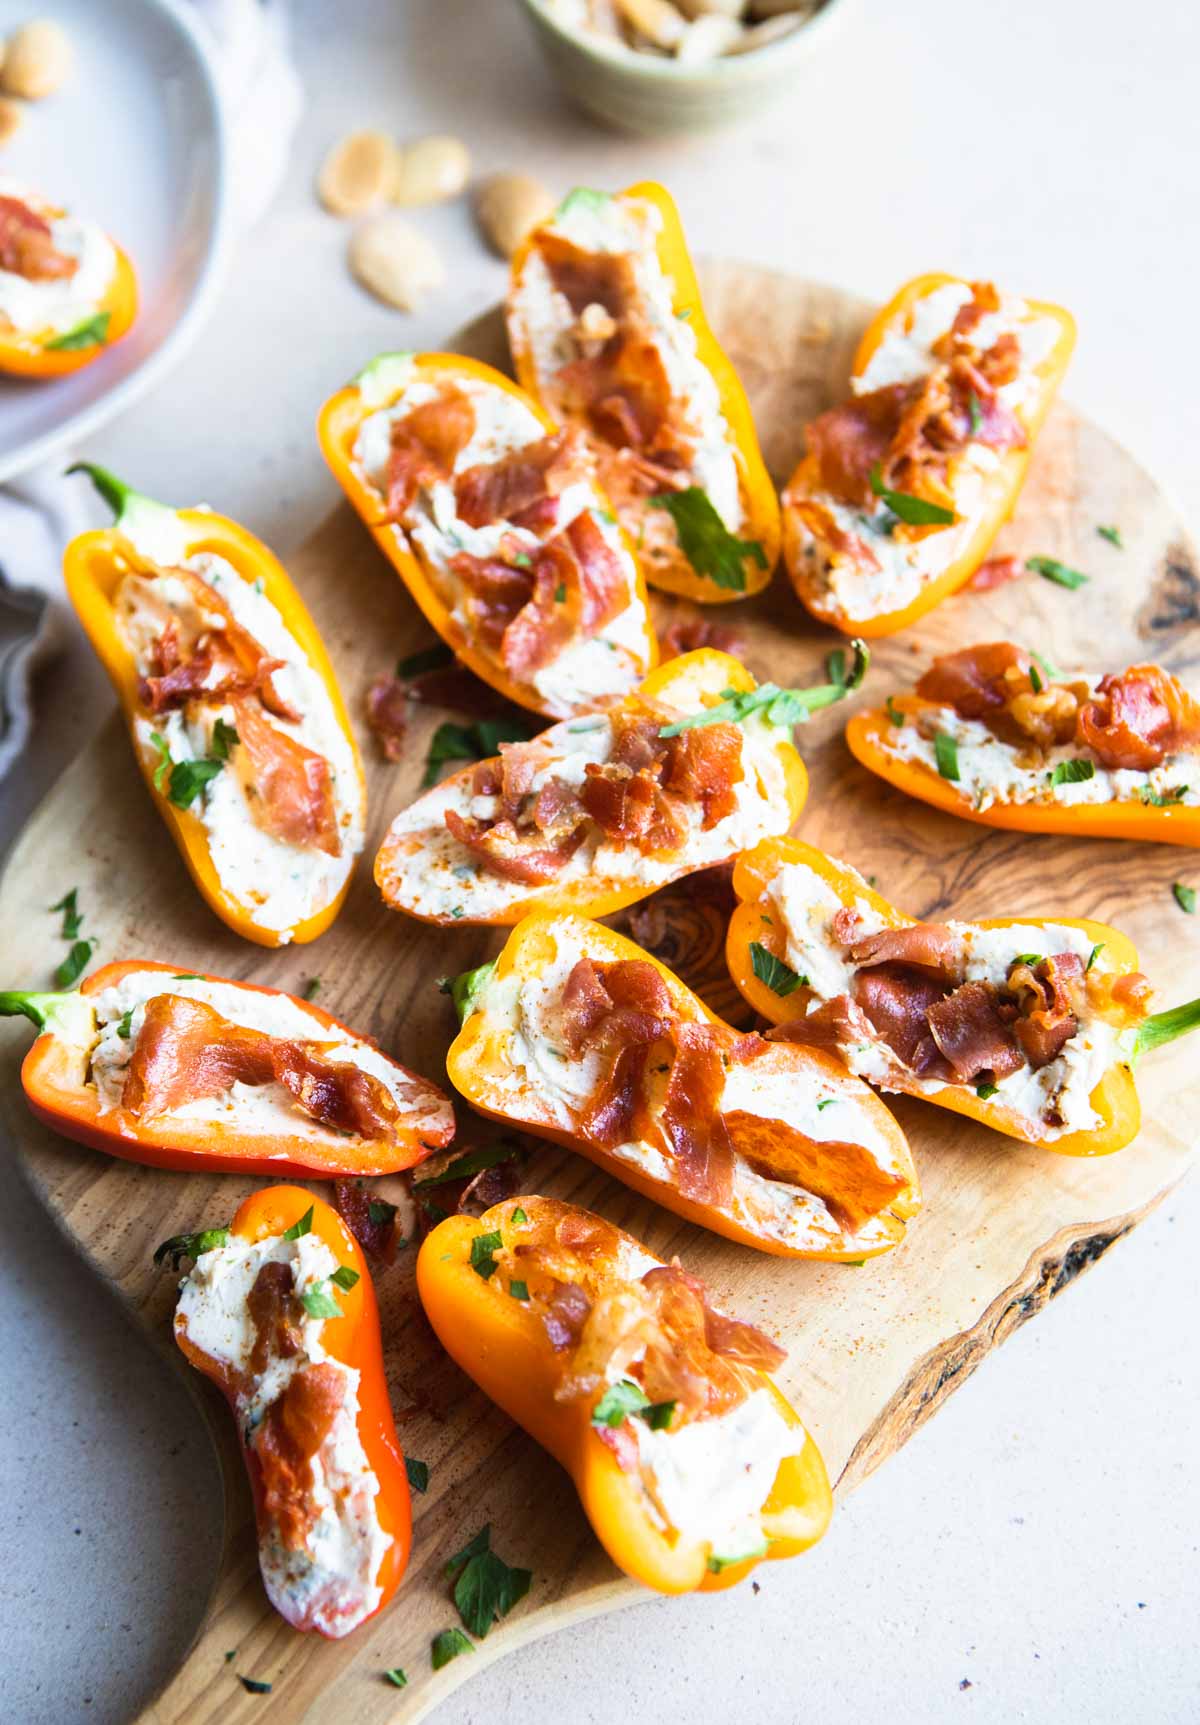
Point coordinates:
[[873, 1350]]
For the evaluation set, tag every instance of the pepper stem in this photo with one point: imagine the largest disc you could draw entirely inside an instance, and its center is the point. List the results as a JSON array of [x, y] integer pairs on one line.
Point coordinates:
[[154, 528], [783, 707], [67, 1015], [465, 989], [1163, 1027], [114, 491]]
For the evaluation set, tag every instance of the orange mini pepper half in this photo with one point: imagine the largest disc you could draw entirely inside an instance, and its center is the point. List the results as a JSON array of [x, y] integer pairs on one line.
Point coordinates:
[[61, 1089], [524, 550], [424, 870], [949, 551], [756, 951], [150, 539], [491, 1285], [52, 352], [683, 543], [279, 1311], [738, 1135]]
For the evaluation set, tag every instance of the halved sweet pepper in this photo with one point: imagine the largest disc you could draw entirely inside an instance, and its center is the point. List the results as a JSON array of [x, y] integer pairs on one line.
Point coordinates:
[[636, 403], [150, 539], [579, 1036], [610, 1359], [279, 1311], [52, 351], [1096, 988], [729, 771], [1006, 435], [532, 594], [192, 1043]]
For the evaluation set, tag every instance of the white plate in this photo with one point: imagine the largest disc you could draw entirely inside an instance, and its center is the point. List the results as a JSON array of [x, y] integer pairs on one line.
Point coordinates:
[[136, 141]]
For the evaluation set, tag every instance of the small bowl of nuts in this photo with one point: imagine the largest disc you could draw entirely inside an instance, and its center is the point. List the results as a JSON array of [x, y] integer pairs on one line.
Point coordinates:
[[677, 65]]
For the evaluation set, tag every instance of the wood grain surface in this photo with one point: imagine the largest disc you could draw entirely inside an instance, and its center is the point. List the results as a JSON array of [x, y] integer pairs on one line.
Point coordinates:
[[873, 1350]]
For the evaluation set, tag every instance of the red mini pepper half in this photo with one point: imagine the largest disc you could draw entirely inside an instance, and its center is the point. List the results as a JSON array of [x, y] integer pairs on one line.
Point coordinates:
[[280, 1313], [347, 1121]]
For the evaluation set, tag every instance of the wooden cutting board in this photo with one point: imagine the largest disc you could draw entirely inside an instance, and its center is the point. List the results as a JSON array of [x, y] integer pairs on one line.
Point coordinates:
[[873, 1350]]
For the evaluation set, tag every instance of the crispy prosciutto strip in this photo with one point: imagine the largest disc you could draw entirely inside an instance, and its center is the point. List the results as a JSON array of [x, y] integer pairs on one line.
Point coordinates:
[[277, 1315], [897, 1002], [187, 1051], [606, 279], [975, 681], [212, 660], [290, 787], [287, 1438], [1139, 717], [623, 391], [520, 482], [425, 444], [971, 1031], [27, 245], [1043, 994], [691, 1115], [927, 946], [823, 525], [372, 1223]]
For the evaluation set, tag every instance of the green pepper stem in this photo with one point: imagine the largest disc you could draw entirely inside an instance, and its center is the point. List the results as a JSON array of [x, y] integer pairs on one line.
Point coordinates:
[[1163, 1027], [466, 988], [114, 491], [67, 1015]]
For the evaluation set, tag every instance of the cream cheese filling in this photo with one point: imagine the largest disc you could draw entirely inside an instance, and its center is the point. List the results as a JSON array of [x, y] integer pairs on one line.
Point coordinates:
[[279, 884], [804, 906], [330, 1583], [55, 307], [609, 663]]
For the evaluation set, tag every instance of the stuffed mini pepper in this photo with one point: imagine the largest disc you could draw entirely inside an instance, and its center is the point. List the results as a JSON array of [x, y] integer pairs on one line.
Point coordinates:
[[279, 1311], [493, 520], [1028, 1024], [690, 1464], [905, 486], [67, 292], [235, 716], [993, 734], [608, 333], [183, 1071], [579, 1036], [599, 811]]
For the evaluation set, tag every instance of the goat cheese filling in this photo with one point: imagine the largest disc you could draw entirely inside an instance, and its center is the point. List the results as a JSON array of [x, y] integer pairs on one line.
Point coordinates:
[[54, 306]]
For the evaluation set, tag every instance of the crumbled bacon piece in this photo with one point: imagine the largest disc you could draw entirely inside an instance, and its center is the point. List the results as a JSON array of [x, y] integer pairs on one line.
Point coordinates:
[[286, 1439], [1137, 718], [376, 1234], [630, 808], [425, 444], [276, 1315], [27, 245], [218, 659], [565, 1315], [293, 786]]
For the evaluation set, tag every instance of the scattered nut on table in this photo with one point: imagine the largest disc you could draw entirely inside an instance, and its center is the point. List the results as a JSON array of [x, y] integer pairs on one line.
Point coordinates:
[[37, 60], [691, 30], [430, 170], [507, 206], [10, 118], [357, 173], [395, 261]]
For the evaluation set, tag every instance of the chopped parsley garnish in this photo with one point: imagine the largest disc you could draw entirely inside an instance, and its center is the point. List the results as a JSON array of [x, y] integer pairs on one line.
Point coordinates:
[[447, 1646], [469, 1163], [983, 1091], [784, 707], [125, 1025], [1113, 535], [477, 742], [1185, 897], [181, 1246], [893, 712], [945, 753], [1074, 772], [181, 781], [1029, 958], [826, 1102], [913, 511], [311, 988], [253, 1685], [381, 1212], [519, 1290], [560, 593], [298, 1229], [435, 658], [519, 1218], [976, 413], [396, 1677], [618, 1402], [487, 1588], [224, 736], [74, 964], [91, 332], [483, 1250], [318, 1303], [72, 920], [1035, 680], [1094, 954], [779, 977], [658, 1415], [418, 1473], [345, 1277], [1044, 665], [1053, 570], [706, 542], [1162, 799]]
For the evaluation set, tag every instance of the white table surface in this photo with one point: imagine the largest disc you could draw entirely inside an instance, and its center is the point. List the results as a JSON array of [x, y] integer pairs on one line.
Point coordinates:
[[1033, 1553]]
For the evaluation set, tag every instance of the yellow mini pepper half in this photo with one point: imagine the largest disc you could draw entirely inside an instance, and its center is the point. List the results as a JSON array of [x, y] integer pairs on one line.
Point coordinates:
[[704, 562], [148, 537], [48, 353], [486, 1292]]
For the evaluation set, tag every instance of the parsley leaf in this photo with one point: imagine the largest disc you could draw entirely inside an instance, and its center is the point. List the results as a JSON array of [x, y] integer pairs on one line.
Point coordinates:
[[945, 752], [477, 742], [519, 1290], [72, 920], [396, 1677], [345, 1277], [618, 1402], [447, 1646], [487, 1588], [434, 658], [224, 736], [658, 1415], [181, 781], [1073, 772], [983, 1091], [298, 1229], [1093, 955], [381, 1212], [826, 1102], [779, 977], [253, 1685], [181, 1246], [468, 1163], [915, 511], [90, 332], [783, 707], [1185, 897], [976, 413], [519, 1218], [1057, 572], [125, 1025], [418, 1473], [1113, 535], [311, 988], [1035, 679], [74, 964], [318, 1303], [480, 1541], [706, 542], [1162, 799], [483, 1246], [893, 712]]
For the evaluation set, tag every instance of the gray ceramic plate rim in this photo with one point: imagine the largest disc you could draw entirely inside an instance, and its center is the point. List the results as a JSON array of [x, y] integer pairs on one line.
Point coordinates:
[[650, 68], [81, 423]]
